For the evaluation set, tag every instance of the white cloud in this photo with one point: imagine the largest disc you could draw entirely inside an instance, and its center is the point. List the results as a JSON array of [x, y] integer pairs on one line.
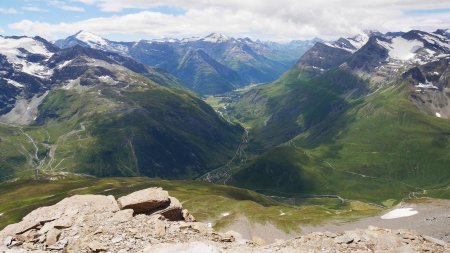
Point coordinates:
[[8, 11], [267, 19], [33, 9], [63, 6]]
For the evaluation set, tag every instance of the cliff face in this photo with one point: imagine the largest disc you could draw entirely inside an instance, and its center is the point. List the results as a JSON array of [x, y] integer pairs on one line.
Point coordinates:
[[152, 221]]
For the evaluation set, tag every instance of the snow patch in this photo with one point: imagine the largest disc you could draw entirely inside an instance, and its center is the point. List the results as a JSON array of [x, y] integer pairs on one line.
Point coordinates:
[[225, 214], [402, 49], [440, 42], [359, 40], [1, 214], [399, 213], [106, 79], [14, 83], [62, 65], [11, 48], [427, 85], [438, 115], [166, 40]]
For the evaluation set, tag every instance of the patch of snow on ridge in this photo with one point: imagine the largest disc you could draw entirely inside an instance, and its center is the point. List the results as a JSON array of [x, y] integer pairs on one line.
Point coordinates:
[[427, 85], [14, 83], [62, 65], [11, 48], [402, 49], [216, 37], [359, 40], [399, 213], [91, 39]]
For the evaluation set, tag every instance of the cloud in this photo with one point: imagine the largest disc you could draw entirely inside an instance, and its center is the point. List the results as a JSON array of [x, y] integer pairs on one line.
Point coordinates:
[[265, 19], [33, 9], [8, 11], [63, 6]]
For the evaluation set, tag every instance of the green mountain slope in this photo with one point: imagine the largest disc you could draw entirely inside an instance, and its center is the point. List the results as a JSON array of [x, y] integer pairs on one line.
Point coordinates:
[[341, 136], [204, 75], [101, 118], [155, 132]]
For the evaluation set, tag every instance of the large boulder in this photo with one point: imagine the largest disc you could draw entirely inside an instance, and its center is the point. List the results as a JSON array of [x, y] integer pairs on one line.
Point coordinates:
[[145, 201]]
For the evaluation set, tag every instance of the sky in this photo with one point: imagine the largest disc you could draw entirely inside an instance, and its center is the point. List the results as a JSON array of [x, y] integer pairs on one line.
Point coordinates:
[[276, 20]]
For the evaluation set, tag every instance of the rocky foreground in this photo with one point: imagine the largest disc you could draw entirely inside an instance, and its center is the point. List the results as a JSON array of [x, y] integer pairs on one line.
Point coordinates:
[[152, 221]]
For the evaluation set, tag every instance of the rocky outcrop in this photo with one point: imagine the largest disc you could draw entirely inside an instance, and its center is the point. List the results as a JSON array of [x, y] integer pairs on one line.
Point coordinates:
[[144, 201], [96, 223], [152, 221]]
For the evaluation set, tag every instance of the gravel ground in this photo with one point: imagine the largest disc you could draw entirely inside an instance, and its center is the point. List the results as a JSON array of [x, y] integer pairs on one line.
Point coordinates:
[[432, 219]]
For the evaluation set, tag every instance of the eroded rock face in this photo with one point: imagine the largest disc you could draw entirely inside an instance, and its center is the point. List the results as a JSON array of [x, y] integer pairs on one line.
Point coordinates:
[[95, 223]]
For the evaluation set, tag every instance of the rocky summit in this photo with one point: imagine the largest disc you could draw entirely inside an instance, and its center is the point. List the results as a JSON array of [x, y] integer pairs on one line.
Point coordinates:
[[150, 220]]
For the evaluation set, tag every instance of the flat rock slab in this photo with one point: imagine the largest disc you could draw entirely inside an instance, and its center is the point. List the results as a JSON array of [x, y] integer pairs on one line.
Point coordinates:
[[145, 201], [64, 211]]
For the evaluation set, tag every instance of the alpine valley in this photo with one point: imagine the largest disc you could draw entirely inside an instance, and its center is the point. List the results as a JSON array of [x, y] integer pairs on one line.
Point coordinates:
[[249, 135]]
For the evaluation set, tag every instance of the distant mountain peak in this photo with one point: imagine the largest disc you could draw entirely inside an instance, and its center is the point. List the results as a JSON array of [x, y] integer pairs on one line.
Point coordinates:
[[90, 38], [216, 37], [443, 32]]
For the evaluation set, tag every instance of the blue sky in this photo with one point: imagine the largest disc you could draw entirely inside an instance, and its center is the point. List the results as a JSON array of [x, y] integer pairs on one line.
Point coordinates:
[[265, 19]]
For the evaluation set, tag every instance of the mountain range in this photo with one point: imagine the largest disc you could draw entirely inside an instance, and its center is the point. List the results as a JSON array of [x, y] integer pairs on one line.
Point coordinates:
[[365, 120], [90, 111], [364, 117], [210, 65]]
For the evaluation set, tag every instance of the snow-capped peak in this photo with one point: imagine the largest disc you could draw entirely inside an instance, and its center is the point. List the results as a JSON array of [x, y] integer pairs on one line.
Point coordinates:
[[91, 39], [416, 46], [443, 32], [166, 40], [360, 40], [216, 38], [352, 44], [13, 48]]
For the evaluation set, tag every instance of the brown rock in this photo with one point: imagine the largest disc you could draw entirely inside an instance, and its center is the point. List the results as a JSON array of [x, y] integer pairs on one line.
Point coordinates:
[[173, 212], [258, 240], [52, 236], [65, 222], [95, 246], [123, 215], [145, 201], [434, 240], [40, 216], [187, 216], [160, 228]]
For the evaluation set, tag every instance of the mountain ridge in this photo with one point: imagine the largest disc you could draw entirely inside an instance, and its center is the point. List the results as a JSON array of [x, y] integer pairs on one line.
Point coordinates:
[[253, 61]]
